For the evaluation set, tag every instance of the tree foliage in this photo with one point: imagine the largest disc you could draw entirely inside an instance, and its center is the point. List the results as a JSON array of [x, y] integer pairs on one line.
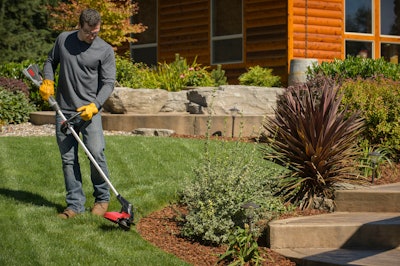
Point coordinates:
[[23, 30], [116, 26]]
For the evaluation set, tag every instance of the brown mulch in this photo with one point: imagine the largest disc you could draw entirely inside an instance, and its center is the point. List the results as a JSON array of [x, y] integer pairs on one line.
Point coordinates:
[[161, 228]]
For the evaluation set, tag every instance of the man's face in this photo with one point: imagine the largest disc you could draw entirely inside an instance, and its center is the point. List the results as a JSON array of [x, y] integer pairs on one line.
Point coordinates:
[[88, 33]]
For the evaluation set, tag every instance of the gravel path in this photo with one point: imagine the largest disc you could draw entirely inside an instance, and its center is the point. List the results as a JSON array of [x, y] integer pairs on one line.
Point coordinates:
[[28, 129]]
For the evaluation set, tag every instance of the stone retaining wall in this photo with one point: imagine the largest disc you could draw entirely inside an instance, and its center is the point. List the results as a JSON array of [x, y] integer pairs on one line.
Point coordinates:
[[186, 112], [200, 100]]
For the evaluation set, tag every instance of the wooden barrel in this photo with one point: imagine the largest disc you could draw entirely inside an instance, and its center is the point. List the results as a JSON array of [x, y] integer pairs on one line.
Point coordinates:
[[298, 68]]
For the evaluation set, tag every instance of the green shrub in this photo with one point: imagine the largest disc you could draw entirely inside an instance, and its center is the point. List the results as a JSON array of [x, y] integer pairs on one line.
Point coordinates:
[[315, 139], [258, 76], [14, 107], [173, 76], [14, 69], [218, 76], [178, 75], [355, 67], [378, 101], [242, 248], [229, 175], [134, 75]]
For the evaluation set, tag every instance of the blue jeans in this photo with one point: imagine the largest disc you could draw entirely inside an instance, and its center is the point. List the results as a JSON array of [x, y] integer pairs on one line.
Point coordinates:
[[93, 138]]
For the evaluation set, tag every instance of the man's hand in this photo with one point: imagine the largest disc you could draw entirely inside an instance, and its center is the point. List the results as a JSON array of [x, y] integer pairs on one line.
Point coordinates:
[[88, 111], [46, 89]]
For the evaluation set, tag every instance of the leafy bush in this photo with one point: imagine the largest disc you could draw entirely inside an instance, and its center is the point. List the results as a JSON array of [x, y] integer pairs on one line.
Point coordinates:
[[14, 107], [242, 248], [315, 140], [231, 174], [134, 75], [14, 70], [218, 76], [377, 99], [173, 76], [14, 85], [355, 67], [258, 76], [178, 75]]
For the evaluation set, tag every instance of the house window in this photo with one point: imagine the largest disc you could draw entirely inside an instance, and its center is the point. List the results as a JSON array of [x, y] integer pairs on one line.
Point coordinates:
[[359, 16], [145, 50], [357, 48], [371, 34], [390, 20], [390, 51], [227, 31]]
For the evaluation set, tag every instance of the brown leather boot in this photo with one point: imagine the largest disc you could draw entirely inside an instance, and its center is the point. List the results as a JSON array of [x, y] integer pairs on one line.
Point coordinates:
[[67, 214], [100, 208]]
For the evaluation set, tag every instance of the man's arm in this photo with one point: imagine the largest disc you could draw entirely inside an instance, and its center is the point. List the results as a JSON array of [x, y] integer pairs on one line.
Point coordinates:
[[107, 74]]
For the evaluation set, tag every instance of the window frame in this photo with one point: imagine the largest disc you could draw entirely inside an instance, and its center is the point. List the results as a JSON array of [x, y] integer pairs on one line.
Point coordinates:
[[376, 38], [137, 45], [213, 38]]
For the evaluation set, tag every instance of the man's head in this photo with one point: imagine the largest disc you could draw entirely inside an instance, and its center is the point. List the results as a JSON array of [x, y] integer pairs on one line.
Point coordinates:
[[89, 16], [89, 25]]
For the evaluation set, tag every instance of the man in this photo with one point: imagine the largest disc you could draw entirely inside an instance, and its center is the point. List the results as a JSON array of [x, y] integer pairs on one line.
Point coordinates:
[[86, 79]]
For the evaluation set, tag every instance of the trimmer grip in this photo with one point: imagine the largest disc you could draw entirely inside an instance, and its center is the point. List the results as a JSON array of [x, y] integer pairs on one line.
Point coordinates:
[[53, 103]]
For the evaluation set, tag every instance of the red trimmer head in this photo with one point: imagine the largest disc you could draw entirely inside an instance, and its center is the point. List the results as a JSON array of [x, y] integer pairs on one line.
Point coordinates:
[[124, 218]]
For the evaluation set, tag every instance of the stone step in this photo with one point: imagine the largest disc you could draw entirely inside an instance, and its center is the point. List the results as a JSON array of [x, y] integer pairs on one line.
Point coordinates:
[[383, 198], [334, 257], [360, 230]]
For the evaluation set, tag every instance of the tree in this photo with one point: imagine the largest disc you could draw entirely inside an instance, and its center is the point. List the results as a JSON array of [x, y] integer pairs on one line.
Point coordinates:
[[116, 14], [23, 30]]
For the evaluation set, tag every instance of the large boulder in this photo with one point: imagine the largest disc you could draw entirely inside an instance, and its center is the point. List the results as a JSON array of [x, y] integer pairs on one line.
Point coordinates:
[[248, 100], [140, 101], [176, 102]]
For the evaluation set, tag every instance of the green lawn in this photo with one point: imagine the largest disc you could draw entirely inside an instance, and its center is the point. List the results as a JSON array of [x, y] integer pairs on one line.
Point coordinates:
[[146, 171]]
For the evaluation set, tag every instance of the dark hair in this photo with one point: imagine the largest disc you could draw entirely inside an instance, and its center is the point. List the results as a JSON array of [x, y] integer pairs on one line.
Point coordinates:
[[89, 16]]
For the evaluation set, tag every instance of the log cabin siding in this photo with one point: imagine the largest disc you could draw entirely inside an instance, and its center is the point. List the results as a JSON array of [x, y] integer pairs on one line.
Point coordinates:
[[274, 32], [184, 28], [317, 29], [265, 23]]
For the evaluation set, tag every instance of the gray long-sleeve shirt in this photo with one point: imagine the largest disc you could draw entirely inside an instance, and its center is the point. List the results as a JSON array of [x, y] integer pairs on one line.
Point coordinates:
[[87, 71]]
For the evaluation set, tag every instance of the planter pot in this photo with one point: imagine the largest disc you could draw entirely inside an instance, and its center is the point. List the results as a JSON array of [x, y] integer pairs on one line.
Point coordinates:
[[298, 68]]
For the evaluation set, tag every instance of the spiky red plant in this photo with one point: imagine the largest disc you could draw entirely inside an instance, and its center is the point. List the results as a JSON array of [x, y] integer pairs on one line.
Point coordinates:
[[312, 136]]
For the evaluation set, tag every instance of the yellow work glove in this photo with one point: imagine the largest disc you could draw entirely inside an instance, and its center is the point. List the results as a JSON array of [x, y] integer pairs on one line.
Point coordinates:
[[46, 89], [88, 111]]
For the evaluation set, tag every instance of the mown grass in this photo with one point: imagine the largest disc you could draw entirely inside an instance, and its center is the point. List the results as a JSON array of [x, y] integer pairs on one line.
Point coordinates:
[[146, 171]]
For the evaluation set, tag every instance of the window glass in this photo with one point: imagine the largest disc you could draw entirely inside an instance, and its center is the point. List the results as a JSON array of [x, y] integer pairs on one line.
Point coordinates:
[[357, 48], [227, 21], [147, 15], [358, 16], [145, 49], [147, 55], [390, 52], [390, 20], [227, 51], [227, 31]]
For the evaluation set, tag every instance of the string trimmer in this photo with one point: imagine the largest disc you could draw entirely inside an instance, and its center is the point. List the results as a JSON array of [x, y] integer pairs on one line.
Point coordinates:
[[124, 218]]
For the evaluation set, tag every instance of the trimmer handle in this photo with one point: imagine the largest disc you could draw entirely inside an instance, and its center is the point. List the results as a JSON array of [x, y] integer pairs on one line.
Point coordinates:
[[53, 103]]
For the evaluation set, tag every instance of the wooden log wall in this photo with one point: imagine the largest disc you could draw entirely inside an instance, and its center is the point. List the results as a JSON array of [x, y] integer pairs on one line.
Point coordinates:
[[266, 35], [316, 29], [183, 27]]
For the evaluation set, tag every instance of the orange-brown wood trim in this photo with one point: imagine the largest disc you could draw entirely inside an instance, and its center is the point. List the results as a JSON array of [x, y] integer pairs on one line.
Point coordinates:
[[290, 32]]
